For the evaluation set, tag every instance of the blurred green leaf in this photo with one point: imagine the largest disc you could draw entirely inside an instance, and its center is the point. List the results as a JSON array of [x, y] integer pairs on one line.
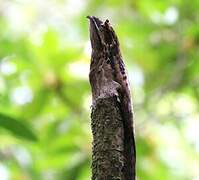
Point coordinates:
[[18, 128], [44, 46]]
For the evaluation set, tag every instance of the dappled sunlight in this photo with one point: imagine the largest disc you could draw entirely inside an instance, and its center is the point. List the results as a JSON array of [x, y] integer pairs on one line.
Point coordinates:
[[87, 49], [79, 69], [45, 97], [136, 76], [170, 16], [192, 132], [21, 95], [22, 155], [4, 172], [184, 105], [7, 67]]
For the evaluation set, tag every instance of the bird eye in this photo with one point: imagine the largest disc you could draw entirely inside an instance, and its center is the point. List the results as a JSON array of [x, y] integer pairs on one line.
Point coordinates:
[[108, 61]]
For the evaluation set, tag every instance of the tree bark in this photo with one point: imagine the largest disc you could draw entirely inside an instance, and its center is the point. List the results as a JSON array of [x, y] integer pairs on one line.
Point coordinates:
[[108, 135]]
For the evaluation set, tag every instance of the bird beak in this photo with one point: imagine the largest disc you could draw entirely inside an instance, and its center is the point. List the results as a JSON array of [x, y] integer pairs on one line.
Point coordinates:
[[96, 41]]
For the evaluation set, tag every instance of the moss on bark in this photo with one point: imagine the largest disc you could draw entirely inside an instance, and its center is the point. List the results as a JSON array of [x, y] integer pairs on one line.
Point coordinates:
[[108, 135]]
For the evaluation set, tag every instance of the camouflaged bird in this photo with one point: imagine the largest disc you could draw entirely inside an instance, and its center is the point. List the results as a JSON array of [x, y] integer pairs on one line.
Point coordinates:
[[108, 77]]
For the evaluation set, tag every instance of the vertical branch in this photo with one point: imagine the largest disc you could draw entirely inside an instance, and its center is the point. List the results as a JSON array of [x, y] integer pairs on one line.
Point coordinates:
[[112, 116], [108, 135]]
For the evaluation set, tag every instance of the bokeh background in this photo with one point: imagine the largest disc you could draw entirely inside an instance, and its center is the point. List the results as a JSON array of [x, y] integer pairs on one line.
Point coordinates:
[[45, 95]]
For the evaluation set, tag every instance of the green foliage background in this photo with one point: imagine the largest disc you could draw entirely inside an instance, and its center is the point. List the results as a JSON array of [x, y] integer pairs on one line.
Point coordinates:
[[45, 96]]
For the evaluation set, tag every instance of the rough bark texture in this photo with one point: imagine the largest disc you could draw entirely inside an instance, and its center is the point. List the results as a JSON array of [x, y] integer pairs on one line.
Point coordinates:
[[108, 135]]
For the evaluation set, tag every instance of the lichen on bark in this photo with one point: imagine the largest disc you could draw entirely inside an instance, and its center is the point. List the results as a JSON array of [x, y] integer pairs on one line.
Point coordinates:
[[107, 129]]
